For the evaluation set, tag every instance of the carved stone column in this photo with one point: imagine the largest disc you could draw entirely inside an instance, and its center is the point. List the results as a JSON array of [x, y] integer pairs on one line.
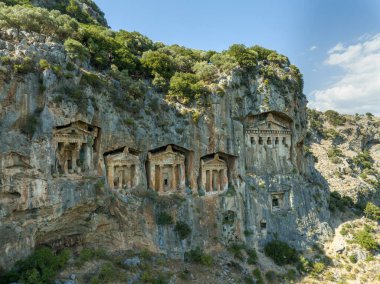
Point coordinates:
[[110, 177], [128, 176], [174, 182], [211, 181], [161, 183], [65, 159]]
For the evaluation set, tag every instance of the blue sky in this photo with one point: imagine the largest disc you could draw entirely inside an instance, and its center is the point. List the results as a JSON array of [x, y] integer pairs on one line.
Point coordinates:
[[304, 30]]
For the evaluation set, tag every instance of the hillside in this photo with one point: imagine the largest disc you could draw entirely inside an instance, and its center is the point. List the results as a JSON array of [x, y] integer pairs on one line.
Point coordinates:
[[124, 160]]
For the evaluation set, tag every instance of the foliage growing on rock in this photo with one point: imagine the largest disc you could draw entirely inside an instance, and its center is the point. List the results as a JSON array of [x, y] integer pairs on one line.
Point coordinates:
[[40, 267], [198, 256], [164, 218], [365, 239], [183, 230], [281, 252], [372, 211]]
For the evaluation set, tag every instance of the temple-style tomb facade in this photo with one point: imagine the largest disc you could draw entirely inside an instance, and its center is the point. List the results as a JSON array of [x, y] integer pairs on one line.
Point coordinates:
[[214, 176], [75, 146], [167, 170], [268, 140], [123, 168]]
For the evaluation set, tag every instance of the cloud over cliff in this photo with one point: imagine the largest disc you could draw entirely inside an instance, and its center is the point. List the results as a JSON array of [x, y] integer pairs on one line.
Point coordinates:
[[358, 89]]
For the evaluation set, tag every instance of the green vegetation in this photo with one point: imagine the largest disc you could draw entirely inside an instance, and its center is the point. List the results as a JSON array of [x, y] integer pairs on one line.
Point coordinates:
[[365, 239], [257, 274], [336, 201], [186, 88], [353, 258], [335, 118], [372, 211], [363, 160], [164, 218], [39, 20], [315, 120], [317, 268], [281, 252], [198, 256], [69, 7], [76, 50], [252, 256], [23, 66], [40, 267], [183, 230], [44, 64], [88, 254], [237, 249], [334, 155], [331, 133], [245, 57], [108, 274]]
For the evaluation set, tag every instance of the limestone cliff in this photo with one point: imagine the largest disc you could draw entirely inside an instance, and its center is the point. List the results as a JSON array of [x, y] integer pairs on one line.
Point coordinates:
[[258, 127]]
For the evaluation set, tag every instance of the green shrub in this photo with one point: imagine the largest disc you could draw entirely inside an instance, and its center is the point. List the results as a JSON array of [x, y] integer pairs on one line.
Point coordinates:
[[40, 267], [336, 201], [198, 256], [164, 218], [70, 66], [25, 66], [224, 62], [318, 268], [334, 152], [186, 88], [281, 252], [363, 160], [158, 63], [271, 276], [245, 57], [92, 80], [57, 69], [257, 274], [206, 71], [183, 230], [108, 273], [353, 258], [372, 211], [76, 50], [252, 256], [365, 239], [88, 254], [236, 249], [344, 231], [44, 64], [334, 117]]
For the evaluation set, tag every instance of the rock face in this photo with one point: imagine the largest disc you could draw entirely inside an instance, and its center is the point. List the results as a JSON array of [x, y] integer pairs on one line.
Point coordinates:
[[237, 173]]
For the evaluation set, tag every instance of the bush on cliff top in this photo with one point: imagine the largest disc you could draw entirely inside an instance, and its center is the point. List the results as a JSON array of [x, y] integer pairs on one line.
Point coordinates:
[[186, 75]]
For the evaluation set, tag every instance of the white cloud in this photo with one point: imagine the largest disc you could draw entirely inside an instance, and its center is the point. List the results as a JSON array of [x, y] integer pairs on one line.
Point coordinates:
[[358, 89], [338, 47], [312, 48]]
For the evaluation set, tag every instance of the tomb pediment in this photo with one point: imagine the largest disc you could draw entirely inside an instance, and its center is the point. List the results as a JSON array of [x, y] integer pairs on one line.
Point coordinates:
[[72, 130], [214, 162], [168, 155]]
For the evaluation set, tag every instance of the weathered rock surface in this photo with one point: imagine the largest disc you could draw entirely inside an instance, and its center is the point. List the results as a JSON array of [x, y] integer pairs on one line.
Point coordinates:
[[284, 197]]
